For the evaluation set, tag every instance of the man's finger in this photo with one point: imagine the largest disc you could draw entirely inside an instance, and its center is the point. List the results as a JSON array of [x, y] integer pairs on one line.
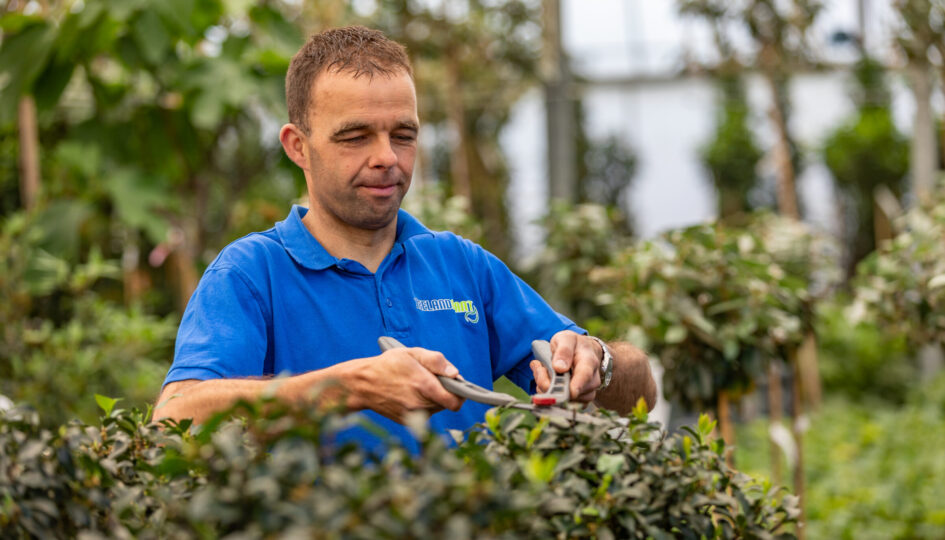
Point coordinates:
[[435, 362], [586, 397], [542, 380], [563, 347], [584, 384], [586, 373], [432, 389]]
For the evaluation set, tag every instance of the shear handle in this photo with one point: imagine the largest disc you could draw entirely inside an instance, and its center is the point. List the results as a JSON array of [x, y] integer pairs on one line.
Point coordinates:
[[460, 387], [558, 392]]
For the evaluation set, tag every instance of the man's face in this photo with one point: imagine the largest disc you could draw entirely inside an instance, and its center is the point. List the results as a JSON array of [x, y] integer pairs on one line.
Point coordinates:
[[362, 145]]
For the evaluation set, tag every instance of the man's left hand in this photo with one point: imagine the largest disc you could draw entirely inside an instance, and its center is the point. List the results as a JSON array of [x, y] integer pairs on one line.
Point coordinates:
[[578, 354]]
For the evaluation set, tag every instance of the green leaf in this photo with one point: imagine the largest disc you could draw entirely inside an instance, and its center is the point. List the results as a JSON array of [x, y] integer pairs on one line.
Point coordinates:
[[539, 469], [535, 432], [706, 426], [151, 36], [44, 273], [937, 281], [675, 334], [106, 403], [611, 463], [22, 56], [138, 199], [640, 410]]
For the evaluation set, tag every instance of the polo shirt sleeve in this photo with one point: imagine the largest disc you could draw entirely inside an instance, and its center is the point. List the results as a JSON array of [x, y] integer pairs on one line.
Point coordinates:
[[516, 315], [223, 332]]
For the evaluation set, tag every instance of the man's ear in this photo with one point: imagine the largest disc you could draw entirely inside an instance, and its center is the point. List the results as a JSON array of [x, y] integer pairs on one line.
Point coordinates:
[[293, 142]]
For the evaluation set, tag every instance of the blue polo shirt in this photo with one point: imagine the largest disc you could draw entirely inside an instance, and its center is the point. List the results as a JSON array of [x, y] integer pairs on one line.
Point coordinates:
[[277, 302]]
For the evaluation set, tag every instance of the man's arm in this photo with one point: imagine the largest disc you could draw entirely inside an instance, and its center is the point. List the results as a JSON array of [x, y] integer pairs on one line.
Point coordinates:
[[392, 384], [632, 378]]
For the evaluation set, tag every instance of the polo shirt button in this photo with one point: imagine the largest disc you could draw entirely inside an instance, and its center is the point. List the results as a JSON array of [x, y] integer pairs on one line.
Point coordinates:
[[389, 303]]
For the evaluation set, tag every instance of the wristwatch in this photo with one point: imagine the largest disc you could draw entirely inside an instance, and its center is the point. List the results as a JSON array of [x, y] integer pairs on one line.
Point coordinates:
[[606, 364]]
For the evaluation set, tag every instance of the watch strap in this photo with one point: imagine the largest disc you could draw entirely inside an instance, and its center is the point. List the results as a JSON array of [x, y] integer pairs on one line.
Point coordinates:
[[606, 364]]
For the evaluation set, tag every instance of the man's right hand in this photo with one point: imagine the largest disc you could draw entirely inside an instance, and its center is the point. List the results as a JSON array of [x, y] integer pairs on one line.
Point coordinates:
[[393, 384], [401, 380]]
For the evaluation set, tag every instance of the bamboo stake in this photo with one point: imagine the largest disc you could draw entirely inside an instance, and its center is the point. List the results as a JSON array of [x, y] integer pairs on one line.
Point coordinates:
[[775, 402], [726, 427], [810, 375], [797, 410]]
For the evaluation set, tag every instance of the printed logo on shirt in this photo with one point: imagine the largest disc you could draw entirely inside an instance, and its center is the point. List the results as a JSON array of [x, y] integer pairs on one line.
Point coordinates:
[[466, 307]]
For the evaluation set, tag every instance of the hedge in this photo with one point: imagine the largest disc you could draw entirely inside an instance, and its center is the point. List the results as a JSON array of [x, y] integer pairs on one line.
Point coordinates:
[[265, 470]]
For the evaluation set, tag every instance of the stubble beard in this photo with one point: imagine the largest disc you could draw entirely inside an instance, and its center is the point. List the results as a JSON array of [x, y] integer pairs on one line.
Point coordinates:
[[363, 211]]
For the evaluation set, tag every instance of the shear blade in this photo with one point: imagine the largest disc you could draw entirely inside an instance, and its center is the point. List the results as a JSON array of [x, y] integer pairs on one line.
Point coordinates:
[[558, 412]]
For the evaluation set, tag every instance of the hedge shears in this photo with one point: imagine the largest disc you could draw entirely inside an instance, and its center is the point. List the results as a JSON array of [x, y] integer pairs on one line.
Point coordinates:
[[549, 403]]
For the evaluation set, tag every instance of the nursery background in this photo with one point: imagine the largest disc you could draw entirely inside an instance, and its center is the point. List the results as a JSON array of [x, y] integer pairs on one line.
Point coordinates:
[[751, 191]]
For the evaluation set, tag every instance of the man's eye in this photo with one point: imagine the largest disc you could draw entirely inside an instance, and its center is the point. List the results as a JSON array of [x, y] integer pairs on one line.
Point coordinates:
[[355, 139], [405, 138]]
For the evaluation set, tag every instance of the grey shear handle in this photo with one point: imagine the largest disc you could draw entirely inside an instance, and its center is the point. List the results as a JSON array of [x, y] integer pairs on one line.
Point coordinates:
[[558, 392], [460, 387]]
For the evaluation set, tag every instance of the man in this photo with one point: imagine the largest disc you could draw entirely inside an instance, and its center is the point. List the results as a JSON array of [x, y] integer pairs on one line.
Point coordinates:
[[310, 297]]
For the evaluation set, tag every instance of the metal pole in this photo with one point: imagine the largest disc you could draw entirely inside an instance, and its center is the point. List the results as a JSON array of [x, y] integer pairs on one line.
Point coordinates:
[[559, 108]]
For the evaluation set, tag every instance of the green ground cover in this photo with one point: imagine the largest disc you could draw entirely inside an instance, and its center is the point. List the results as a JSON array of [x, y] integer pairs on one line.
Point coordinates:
[[872, 470]]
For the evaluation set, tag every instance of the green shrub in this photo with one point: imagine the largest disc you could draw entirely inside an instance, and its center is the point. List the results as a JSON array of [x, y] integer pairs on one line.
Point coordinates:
[[275, 473], [61, 340], [901, 287], [865, 152], [579, 240], [872, 472], [860, 361], [716, 302]]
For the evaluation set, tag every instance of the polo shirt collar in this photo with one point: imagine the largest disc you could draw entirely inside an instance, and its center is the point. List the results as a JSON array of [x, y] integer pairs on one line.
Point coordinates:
[[307, 251]]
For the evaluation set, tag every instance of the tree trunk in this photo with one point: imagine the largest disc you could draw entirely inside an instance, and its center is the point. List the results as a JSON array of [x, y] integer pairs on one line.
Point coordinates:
[[787, 192], [923, 158], [29, 152], [456, 112], [775, 402], [488, 187]]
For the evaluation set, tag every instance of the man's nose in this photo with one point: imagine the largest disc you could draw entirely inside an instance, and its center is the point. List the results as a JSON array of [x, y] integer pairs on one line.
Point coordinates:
[[382, 154]]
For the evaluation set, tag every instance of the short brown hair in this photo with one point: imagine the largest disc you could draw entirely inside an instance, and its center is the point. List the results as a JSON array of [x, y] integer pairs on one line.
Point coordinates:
[[357, 49]]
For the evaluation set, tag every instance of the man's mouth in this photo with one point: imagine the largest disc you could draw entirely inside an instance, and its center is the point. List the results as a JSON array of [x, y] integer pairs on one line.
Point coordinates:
[[381, 190]]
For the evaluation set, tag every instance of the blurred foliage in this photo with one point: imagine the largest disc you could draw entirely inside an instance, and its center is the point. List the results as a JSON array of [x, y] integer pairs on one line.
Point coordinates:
[[779, 29], [607, 173], [580, 239], [921, 29], [273, 474], [901, 287], [61, 339], [779, 34], [154, 115], [864, 153], [873, 472], [716, 302], [860, 362], [439, 212], [732, 155]]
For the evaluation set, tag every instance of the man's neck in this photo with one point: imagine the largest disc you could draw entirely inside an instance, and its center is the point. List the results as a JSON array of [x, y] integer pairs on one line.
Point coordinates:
[[368, 247]]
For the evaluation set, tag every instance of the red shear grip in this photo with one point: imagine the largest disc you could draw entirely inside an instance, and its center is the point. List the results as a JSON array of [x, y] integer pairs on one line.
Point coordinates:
[[542, 400]]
